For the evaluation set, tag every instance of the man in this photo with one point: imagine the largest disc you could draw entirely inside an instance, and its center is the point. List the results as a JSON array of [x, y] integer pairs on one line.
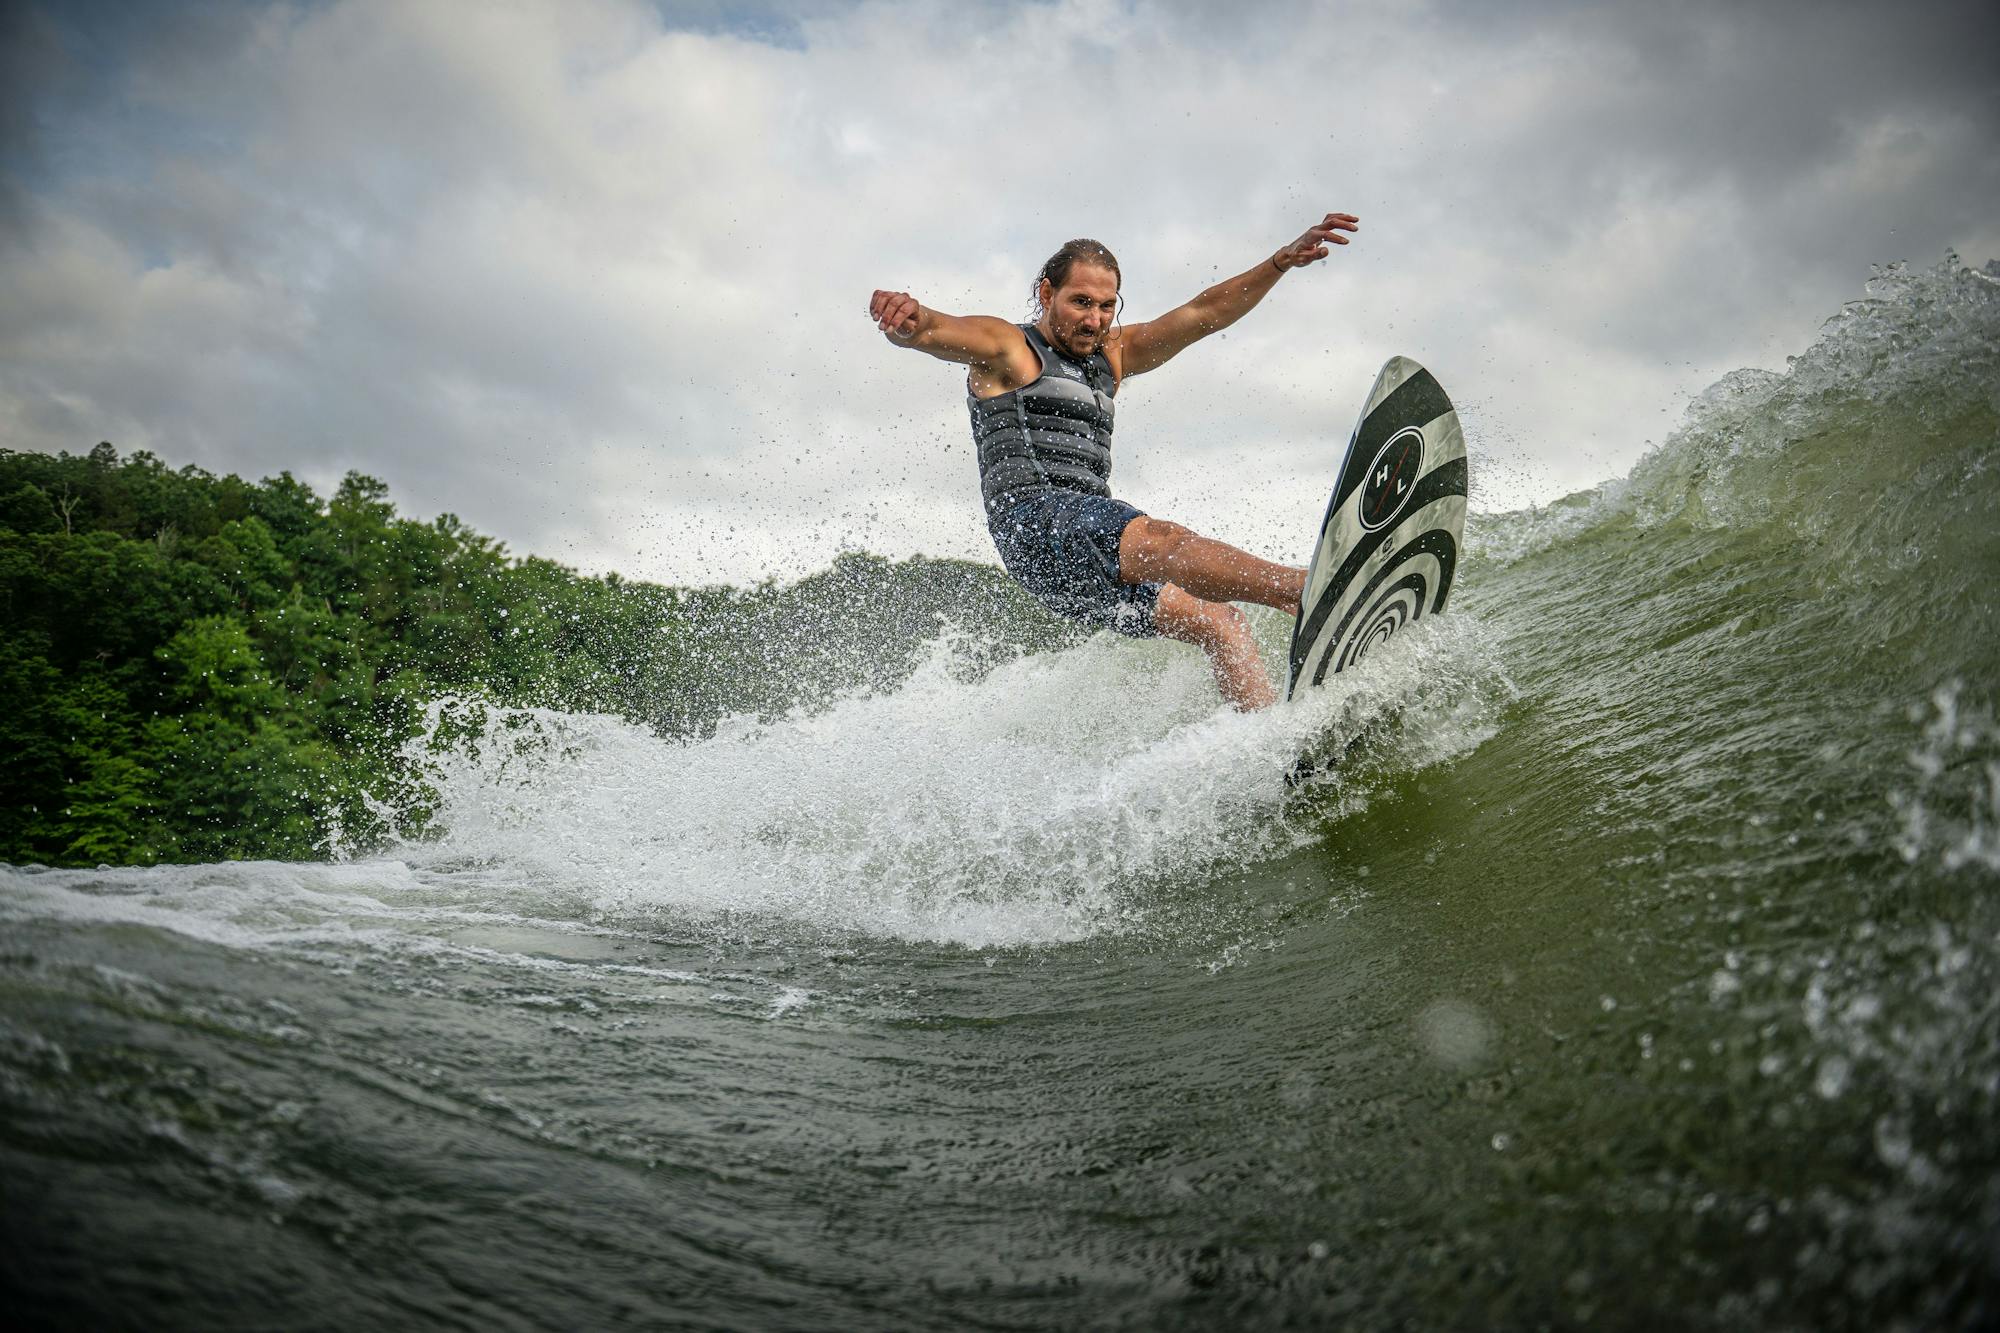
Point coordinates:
[[1041, 401]]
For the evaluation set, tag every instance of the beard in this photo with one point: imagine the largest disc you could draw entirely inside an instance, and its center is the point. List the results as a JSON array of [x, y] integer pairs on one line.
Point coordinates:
[[1082, 344]]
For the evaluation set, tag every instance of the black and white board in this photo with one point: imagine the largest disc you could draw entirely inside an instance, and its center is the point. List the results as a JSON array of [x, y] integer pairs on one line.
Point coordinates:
[[1392, 531]]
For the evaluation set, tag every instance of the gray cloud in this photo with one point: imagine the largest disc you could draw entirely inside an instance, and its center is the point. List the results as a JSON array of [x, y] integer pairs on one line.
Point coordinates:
[[591, 275]]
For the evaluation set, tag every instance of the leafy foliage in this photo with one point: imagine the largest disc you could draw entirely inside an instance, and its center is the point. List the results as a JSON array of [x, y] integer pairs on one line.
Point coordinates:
[[200, 668]]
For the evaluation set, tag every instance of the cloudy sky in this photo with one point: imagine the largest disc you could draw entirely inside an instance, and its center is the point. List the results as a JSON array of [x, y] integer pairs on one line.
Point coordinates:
[[592, 273]]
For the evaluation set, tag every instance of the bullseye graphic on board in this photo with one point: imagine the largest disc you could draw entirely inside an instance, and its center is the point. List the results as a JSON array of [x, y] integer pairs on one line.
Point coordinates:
[[1412, 583], [1389, 542], [1395, 609]]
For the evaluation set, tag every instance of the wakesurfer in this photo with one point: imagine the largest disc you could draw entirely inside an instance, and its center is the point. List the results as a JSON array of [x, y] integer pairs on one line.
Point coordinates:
[[1041, 395]]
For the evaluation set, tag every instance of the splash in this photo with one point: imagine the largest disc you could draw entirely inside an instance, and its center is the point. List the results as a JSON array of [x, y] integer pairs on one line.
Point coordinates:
[[1049, 798]]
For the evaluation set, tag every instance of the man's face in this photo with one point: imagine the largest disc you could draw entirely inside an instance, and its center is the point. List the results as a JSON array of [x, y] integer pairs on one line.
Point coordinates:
[[1081, 311]]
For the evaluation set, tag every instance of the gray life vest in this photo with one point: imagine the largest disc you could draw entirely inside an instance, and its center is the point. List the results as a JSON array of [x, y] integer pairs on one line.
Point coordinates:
[[1054, 430]]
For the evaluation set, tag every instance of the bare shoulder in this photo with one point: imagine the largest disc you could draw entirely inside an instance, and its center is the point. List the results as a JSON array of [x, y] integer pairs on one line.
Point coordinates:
[[993, 332], [1151, 344], [1116, 346], [1127, 350], [1007, 361]]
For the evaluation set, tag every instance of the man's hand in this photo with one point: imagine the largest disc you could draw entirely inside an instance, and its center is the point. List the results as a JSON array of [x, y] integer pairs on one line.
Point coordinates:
[[1311, 247], [986, 344], [895, 313]]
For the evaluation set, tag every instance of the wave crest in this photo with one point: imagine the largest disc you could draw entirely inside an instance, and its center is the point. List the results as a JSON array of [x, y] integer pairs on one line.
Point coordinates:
[[1912, 365]]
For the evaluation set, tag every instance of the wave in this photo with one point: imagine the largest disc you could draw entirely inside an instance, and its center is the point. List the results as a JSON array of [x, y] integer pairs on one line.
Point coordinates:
[[1907, 373]]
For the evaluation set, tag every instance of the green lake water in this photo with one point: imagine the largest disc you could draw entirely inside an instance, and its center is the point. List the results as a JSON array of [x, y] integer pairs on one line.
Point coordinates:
[[1640, 967]]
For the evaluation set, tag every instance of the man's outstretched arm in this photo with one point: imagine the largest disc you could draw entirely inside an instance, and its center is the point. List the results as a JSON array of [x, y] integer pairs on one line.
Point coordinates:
[[1154, 343], [980, 341]]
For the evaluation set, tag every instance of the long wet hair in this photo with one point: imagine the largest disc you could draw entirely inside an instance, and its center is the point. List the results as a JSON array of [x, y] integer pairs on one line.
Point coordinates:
[[1084, 250]]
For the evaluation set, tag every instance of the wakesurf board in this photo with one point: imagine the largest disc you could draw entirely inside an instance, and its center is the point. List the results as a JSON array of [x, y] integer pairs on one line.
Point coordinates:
[[1393, 528]]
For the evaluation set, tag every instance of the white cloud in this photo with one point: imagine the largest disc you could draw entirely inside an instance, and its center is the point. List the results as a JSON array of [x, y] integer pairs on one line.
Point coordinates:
[[597, 285]]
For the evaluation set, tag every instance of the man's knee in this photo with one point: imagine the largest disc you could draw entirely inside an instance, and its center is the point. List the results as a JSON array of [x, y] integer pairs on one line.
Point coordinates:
[[1231, 625], [1149, 540], [1182, 616]]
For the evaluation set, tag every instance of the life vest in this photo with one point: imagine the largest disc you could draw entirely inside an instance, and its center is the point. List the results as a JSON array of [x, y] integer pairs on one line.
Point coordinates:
[[1054, 430]]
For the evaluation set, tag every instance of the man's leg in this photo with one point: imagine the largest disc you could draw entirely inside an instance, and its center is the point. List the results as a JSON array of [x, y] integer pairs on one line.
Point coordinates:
[[1221, 631], [1151, 550]]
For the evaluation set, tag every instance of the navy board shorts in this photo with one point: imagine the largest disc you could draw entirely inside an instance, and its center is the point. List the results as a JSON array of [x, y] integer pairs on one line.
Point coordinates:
[[1062, 546]]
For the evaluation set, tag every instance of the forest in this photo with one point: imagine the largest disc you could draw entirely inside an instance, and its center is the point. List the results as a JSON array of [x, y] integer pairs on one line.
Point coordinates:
[[202, 668]]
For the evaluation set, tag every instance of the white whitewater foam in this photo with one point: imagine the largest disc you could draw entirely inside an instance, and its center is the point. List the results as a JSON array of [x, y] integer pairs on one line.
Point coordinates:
[[1027, 805]]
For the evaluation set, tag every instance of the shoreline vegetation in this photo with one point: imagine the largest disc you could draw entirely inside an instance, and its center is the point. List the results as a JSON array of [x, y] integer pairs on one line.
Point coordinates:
[[200, 668]]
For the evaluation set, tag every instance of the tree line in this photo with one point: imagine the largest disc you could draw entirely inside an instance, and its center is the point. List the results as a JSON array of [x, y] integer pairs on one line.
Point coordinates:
[[200, 668]]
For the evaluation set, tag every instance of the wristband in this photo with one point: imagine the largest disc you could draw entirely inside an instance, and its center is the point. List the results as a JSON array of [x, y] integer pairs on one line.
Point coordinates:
[[1276, 265]]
